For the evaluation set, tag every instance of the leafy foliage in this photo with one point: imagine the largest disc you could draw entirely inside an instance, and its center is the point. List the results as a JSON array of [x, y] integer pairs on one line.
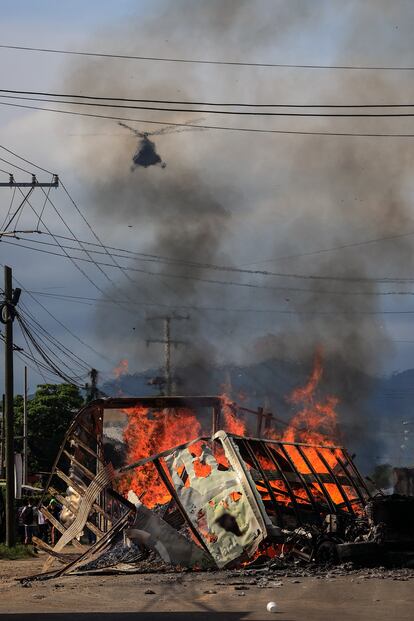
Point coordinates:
[[382, 476], [49, 414]]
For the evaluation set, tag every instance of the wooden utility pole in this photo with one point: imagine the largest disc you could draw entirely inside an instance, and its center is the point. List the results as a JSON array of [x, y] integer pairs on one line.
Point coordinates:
[[7, 317], [167, 341]]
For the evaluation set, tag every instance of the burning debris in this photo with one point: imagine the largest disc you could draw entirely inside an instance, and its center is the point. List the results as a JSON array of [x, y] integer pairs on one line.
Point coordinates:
[[154, 489]]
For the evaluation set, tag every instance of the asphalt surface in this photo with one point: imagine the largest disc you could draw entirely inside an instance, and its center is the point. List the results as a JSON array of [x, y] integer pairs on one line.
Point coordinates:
[[218, 596]]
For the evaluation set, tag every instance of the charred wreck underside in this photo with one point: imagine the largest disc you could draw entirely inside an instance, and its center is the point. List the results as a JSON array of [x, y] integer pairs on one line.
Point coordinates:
[[226, 501]]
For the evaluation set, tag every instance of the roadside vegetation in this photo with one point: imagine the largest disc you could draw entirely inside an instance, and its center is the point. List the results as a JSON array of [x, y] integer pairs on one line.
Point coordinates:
[[19, 551]]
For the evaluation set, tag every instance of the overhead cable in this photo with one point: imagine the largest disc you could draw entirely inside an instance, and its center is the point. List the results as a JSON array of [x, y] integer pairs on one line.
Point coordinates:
[[241, 284], [207, 103], [232, 63], [214, 127], [220, 112]]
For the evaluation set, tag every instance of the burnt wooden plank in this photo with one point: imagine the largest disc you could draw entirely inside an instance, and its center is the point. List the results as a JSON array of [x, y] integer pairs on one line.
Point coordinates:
[[51, 518], [81, 492]]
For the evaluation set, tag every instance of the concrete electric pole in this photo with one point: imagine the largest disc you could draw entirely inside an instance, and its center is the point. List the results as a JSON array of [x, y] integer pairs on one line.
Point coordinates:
[[167, 341], [7, 315], [8, 311], [25, 444]]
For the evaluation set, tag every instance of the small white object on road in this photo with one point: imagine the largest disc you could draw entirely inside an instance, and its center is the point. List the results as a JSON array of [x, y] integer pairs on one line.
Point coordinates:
[[271, 607]]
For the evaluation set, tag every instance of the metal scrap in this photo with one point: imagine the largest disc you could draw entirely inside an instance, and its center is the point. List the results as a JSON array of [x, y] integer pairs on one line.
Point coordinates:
[[231, 498]]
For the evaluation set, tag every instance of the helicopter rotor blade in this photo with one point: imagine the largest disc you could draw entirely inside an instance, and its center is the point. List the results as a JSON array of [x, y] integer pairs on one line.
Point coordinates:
[[132, 129], [177, 129]]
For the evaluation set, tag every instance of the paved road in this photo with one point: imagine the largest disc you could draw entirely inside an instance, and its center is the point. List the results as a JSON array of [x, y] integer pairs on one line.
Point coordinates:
[[218, 596]]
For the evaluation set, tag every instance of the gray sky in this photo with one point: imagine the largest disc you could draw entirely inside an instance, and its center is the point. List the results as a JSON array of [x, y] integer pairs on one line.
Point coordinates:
[[282, 194]]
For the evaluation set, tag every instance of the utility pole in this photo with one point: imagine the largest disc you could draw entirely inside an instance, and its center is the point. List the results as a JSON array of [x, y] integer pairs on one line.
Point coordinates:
[[11, 299], [93, 390], [32, 185], [2, 440], [7, 312], [167, 341], [25, 453]]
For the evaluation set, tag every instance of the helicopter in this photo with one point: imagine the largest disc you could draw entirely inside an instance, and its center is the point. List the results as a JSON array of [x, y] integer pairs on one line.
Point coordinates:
[[146, 154]]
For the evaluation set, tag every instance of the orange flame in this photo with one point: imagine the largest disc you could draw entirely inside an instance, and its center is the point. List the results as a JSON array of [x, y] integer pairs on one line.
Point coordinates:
[[316, 421], [232, 424], [150, 432], [121, 369]]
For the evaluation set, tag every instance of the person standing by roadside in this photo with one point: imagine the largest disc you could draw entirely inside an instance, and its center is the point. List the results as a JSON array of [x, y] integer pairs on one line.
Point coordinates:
[[54, 508], [29, 518], [42, 526]]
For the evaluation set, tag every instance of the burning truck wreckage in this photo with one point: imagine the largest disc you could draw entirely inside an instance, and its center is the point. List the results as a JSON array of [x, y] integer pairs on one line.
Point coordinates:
[[175, 482]]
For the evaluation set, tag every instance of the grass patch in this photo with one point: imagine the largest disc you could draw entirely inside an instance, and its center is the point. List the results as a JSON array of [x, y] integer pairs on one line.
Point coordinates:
[[17, 552]]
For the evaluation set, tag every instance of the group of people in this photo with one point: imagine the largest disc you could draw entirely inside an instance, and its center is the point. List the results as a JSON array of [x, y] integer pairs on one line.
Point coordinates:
[[34, 522]]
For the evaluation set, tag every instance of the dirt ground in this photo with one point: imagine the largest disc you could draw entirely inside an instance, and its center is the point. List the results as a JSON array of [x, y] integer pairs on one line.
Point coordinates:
[[222, 596]]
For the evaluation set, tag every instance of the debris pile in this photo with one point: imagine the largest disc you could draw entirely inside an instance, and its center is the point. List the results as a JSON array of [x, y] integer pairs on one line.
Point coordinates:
[[217, 501]]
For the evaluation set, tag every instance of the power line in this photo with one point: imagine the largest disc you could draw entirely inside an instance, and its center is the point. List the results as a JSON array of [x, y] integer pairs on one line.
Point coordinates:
[[47, 198], [39, 367], [50, 344], [8, 211], [68, 330], [214, 127], [90, 301], [44, 355], [33, 359], [72, 259], [336, 278], [16, 166], [207, 62], [161, 258], [74, 238], [65, 253], [54, 341], [333, 248], [168, 261], [100, 243], [220, 112], [62, 325], [292, 256], [96, 263], [39, 364], [204, 103], [281, 288], [25, 160]]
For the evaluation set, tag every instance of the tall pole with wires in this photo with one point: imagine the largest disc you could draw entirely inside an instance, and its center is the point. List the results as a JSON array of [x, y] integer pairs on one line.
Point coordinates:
[[2, 440], [167, 341], [7, 316], [25, 445]]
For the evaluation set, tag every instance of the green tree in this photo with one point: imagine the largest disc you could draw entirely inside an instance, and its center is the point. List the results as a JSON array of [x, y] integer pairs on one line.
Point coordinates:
[[382, 476], [49, 414]]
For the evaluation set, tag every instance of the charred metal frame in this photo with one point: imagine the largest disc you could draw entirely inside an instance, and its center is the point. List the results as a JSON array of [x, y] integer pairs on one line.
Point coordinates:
[[83, 450], [291, 478], [361, 493]]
